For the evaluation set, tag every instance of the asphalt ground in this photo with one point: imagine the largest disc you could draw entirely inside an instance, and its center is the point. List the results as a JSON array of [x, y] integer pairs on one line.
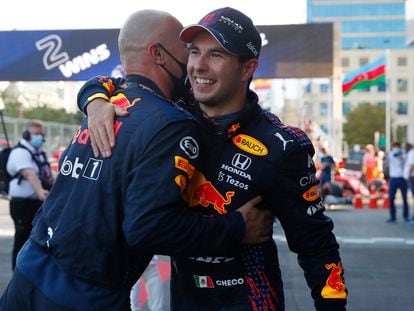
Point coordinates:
[[378, 260], [377, 257]]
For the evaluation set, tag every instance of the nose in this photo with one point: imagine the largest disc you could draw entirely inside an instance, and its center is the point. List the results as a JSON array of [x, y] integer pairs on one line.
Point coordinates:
[[199, 63]]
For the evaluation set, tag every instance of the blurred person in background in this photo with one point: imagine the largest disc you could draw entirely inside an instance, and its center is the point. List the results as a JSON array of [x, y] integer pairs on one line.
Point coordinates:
[[32, 180], [409, 170], [396, 160], [327, 166], [369, 165]]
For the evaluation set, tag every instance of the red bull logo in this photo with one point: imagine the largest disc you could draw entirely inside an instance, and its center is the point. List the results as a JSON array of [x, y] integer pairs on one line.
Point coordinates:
[[109, 86], [206, 194], [209, 19], [250, 145], [123, 102], [335, 286], [232, 129], [200, 191]]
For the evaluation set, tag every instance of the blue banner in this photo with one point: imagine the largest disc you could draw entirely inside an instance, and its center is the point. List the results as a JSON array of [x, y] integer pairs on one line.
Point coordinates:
[[296, 51], [289, 51], [53, 55]]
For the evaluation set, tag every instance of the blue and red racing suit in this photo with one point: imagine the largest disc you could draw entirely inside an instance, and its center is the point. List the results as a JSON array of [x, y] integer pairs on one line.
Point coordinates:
[[105, 218], [247, 154]]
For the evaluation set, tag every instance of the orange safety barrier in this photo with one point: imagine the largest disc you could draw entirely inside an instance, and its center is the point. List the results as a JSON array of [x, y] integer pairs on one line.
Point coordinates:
[[358, 200], [385, 198], [373, 197]]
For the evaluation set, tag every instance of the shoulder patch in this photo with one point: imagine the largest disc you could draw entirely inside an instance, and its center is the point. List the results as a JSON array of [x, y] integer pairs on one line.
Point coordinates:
[[298, 134]]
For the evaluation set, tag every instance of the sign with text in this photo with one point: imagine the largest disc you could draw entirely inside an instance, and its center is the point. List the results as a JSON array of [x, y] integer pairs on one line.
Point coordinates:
[[53, 55], [288, 51]]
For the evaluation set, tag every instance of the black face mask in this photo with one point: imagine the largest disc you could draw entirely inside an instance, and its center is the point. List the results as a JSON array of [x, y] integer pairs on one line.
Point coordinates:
[[181, 86]]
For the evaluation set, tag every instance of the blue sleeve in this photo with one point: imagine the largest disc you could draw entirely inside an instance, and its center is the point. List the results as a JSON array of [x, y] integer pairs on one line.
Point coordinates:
[[97, 87], [309, 232], [157, 219]]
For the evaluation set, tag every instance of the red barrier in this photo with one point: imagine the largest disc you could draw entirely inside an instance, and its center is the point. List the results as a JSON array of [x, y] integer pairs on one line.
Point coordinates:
[[373, 197], [358, 200], [386, 198]]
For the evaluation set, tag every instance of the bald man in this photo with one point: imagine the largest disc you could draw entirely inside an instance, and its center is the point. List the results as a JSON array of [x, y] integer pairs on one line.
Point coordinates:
[[106, 217]]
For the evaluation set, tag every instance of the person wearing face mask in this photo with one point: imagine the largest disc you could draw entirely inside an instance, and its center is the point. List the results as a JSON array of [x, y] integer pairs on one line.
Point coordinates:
[[396, 160], [104, 218], [180, 85], [247, 151], [31, 183]]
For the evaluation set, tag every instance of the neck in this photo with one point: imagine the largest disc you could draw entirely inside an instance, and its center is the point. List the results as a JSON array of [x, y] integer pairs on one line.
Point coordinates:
[[144, 82], [221, 111]]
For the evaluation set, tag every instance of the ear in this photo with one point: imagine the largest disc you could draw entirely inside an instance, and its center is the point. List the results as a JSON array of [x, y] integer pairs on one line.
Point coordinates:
[[156, 53], [249, 67], [26, 135]]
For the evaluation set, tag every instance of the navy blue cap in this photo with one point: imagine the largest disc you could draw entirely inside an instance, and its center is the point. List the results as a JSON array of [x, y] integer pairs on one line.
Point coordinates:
[[231, 28]]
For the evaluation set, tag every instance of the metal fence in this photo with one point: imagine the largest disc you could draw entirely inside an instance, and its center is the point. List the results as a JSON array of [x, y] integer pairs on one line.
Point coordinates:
[[57, 135]]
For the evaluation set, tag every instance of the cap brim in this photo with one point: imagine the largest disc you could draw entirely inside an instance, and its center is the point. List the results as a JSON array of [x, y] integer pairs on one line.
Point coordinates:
[[188, 33]]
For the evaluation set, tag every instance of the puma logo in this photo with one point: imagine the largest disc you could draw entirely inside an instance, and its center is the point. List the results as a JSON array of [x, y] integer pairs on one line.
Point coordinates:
[[284, 141]]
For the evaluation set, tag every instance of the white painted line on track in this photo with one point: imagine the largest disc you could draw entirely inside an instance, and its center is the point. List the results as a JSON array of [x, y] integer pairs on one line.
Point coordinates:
[[6, 232], [353, 240]]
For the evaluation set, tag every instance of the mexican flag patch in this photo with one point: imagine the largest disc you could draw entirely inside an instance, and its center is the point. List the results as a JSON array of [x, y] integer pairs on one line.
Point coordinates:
[[203, 281]]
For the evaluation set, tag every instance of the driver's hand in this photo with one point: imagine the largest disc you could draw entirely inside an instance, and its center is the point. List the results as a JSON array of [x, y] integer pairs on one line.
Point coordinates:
[[101, 115]]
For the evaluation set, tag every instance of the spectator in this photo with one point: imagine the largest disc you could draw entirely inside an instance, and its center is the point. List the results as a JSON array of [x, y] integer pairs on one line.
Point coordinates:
[[369, 165], [409, 170], [31, 183], [250, 152], [397, 181], [327, 165], [380, 154], [105, 218]]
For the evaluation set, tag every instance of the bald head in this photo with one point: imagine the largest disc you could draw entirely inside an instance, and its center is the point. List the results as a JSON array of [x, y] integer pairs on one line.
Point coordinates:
[[143, 28]]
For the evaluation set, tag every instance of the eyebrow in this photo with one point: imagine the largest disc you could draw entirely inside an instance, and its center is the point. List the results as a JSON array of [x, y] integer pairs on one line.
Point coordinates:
[[219, 49]]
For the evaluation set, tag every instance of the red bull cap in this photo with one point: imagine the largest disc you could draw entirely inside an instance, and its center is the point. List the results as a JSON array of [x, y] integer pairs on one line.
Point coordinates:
[[231, 28]]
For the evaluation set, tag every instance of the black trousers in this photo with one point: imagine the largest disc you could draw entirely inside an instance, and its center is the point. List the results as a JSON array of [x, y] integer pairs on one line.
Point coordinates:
[[22, 211]]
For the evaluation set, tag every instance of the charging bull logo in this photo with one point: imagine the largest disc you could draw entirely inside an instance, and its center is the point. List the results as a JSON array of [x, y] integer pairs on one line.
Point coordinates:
[[205, 194], [107, 84], [200, 191], [121, 101], [335, 287]]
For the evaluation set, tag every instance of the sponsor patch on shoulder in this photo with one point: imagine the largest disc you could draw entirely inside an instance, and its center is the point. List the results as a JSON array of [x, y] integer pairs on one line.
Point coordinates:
[[190, 147]]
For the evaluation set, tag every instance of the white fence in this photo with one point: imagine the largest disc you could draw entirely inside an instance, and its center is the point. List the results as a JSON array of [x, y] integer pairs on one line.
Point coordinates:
[[56, 134]]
